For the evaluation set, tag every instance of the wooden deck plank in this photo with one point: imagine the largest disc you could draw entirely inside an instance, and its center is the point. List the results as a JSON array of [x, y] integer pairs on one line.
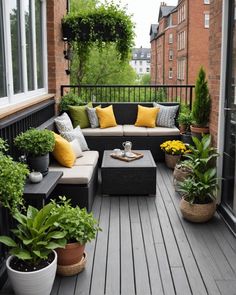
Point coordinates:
[[127, 266], [113, 254], [84, 278], [100, 259], [154, 272], [67, 286], [227, 287], [207, 266], [189, 262], [140, 263]]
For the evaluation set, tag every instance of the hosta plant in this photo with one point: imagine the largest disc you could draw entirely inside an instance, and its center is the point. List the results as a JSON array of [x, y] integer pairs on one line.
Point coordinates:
[[36, 235]]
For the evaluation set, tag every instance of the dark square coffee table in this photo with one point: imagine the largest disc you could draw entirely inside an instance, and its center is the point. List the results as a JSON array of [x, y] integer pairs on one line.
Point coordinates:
[[137, 177]]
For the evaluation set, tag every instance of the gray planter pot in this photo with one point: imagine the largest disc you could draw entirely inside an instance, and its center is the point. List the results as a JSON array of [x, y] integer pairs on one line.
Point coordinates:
[[39, 164], [37, 282]]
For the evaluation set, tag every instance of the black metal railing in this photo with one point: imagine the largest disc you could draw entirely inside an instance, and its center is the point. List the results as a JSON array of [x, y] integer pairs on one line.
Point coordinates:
[[132, 93]]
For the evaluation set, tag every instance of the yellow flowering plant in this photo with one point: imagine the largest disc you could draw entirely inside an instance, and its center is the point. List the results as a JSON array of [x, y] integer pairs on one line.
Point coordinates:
[[174, 147]]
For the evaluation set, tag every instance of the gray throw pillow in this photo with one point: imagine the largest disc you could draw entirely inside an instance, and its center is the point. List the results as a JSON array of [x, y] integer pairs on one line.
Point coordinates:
[[166, 115], [93, 118], [64, 123], [76, 134]]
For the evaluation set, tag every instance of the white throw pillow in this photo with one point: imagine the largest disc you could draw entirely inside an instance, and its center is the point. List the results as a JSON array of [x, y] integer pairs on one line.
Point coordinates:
[[64, 123], [76, 134], [76, 148]]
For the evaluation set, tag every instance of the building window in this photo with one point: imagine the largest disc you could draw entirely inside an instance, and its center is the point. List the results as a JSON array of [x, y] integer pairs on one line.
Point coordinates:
[[142, 55], [170, 38], [181, 40], [140, 70], [206, 20], [135, 55], [23, 52], [206, 1], [140, 62], [148, 55], [170, 73], [181, 14], [180, 69], [147, 70], [170, 54]]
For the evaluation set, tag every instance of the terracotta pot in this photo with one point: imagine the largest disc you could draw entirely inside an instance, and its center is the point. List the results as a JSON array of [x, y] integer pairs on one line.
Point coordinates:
[[171, 160], [196, 131], [197, 212], [71, 254]]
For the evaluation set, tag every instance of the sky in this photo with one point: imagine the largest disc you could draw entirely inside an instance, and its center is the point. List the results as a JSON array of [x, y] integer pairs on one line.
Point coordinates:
[[145, 13]]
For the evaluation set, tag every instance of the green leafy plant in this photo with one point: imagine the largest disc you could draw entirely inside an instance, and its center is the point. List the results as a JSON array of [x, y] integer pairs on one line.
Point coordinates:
[[12, 180], [201, 188], [105, 23], [202, 103], [161, 95], [69, 99], [36, 235], [77, 224], [35, 142], [185, 117]]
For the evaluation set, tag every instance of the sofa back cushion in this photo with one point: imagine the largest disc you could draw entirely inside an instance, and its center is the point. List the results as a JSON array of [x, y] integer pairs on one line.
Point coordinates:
[[126, 112]]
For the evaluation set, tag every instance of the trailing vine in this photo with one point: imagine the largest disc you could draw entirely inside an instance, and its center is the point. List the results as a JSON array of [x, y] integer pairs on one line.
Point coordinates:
[[107, 23]]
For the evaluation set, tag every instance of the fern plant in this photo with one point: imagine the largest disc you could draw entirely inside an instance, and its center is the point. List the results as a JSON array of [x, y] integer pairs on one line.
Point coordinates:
[[202, 103]]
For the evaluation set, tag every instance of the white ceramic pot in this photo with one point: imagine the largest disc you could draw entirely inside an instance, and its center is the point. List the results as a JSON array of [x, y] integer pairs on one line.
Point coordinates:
[[37, 282], [35, 177]]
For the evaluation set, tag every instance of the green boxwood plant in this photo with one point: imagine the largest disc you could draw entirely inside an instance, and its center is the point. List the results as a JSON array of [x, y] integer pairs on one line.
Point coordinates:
[[35, 142]]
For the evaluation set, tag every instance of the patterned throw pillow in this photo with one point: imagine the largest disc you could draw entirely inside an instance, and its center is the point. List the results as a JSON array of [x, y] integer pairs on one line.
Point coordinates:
[[76, 134], [63, 123], [93, 118], [166, 116]]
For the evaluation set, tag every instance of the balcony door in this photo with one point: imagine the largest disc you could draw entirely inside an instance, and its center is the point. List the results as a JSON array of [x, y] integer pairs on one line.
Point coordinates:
[[229, 164]]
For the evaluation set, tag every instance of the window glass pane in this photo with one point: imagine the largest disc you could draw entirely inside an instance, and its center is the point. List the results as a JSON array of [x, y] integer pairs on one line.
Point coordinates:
[[3, 89], [39, 41], [29, 43], [15, 46]]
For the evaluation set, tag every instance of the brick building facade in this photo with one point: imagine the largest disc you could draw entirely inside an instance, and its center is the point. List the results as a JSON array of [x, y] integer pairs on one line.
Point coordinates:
[[181, 42]]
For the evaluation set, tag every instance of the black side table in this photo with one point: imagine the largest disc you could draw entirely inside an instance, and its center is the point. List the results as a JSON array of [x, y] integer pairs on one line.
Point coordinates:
[[35, 194]]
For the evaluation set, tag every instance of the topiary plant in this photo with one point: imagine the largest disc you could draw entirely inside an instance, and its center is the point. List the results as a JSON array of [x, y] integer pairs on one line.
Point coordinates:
[[202, 103]]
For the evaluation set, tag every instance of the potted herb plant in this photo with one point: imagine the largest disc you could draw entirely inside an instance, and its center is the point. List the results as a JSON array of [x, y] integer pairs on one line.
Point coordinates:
[[12, 180], [199, 191], [36, 144], [201, 106], [173, 149], [79, 227], [185, 120], [32, 266]]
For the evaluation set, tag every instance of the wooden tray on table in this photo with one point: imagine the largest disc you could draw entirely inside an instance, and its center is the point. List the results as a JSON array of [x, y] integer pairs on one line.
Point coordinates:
[[135, 156]]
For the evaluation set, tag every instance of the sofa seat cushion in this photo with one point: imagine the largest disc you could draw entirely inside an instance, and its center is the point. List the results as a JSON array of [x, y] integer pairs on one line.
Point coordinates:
[[74, 175], [90, 158], [159, 131], [131, 130], [111, 131]]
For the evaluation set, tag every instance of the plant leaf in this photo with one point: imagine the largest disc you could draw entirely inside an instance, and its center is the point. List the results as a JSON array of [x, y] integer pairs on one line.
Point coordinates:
[[8, 241]]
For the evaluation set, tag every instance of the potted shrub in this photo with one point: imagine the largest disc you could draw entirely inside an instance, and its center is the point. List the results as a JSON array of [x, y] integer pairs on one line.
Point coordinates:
[[185, 120], [70, 99], [12, 180], [32, 266], [199, 191], [201, 106], [36, 144], [79, 227], [173, 149]]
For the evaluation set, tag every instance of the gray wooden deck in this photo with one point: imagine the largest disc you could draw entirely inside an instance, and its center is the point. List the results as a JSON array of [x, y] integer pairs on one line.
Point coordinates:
[[147, 248]]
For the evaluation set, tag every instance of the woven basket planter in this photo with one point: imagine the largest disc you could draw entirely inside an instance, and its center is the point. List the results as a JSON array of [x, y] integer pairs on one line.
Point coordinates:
[[179, 175], [171, 160], [197, 212], [71, 270]]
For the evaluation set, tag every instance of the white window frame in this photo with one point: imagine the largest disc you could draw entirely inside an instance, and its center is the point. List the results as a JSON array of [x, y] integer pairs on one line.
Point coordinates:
[[206, 1], [171, 38], [206, 20], [181, 69], [170, 73], [171, 54], [25, 95]]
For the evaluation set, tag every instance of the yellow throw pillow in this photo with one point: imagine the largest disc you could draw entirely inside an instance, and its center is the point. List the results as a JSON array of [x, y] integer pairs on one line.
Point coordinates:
[[146, 117], [63, 152], [106, 117]]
